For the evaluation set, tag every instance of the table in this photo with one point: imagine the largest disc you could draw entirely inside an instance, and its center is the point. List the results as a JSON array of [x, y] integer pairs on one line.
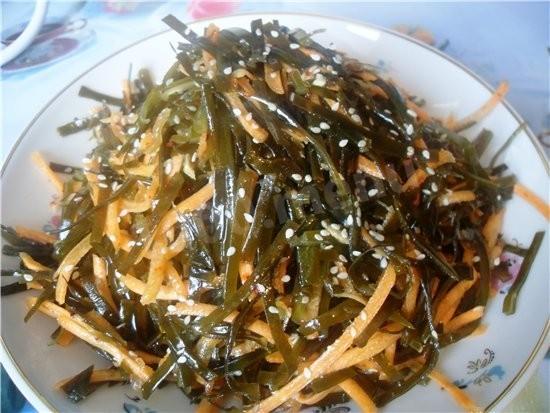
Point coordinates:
[[499, 41]]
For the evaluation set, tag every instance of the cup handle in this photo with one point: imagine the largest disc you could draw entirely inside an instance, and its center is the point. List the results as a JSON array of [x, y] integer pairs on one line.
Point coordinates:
[[25, 39]]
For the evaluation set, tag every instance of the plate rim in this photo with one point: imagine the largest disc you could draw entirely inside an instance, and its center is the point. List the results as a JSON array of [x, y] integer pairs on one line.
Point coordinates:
[[39, 402]]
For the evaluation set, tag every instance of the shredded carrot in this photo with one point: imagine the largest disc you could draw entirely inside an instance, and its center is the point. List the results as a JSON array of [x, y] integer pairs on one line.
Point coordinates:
[[409, 304], [35, 235], [41, 163], [460, 396], [100, 277], [206, 407], [64, 338], [491, 229], [465, 318], [358, 395], [31, 263], [483, 111], [449, 303], [137, 286], [369, 167], [66, 268], [538, 203], [455, 198]]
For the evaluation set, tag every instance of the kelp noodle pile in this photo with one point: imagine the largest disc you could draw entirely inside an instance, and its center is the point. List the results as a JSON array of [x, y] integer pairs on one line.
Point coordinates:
[[272, 225]]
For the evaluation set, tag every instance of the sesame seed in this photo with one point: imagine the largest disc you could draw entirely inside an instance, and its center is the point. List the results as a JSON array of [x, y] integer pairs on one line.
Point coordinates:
[[248, 117], [182, 359], [328, 247], [315, 57], [86, 160], [342, 258], [315, 129], [169, 82], [420, 256], [274, 33], [337, 59], [237, 373], [324, 126], [273, 310], [334, 270], [426, 191], [248, 218], [231, 251], [324, 233], [356, 118], [335, 106], [358, 221], [171, 308], [412, 113], [133, 130], [319, 80], [101, 177], [349, 220], [305, 299], [342, 275], [383, 262], [236, 112], [228, 214], [103, 185], [430, 171], [496, 262], [168, 167], [318, 237], [194, 157], [434, 187], [176, 119], [285, 278], [409, 129], [258, 32], [410, 151], [273, 75], [241, 192], [289, 233], [294, 46], [308, 178], [187, 319], [296, 177], [426, 154], [307, 373], [343, 143], [356, 253], [352, 332], [28, 277], [362, 143], [272, 107], [445, 201], [227, 70], [377, 236]]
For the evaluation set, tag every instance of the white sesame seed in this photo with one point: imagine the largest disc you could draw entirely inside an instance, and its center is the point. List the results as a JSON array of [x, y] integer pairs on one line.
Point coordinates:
[[176, 119], [272, 107], [308, 178], [318, 237], [86, 160], [248, 218], [315, 57], [139, 230], [337, 59], [352, 332], [362, 143], [231, 251], [356, 118], [28, 277], [294, 46], [363, 315], [409, 129], [358, 221], [241, 192], [476, 259], [273, 75], [192, 108], [356, 253], [496, 261], [324, 233], [307, 373], [343, 143], [324, 126], [103, 185], [305, 299], [430, 171], [335, 106], [315, 129], [182, 359], [273, 310], [289, 233], [410, 151], [319, 80], [248, 117], [227, 70], [383, 262], [194, 157], [171, 308], [187, 319], [133, 130], [342, 275], [377, 236], [445, 201], [237, 373], [274, 33], [285, 278], [412, 113], [168, 167], [342, 258], [296, 177], [236, 112], [426, 154], [420, 256], [258, 32], [426, 191], [434, 187], [101, 177], [228, 214], [334, 270], [328, 247], [335, 226], [372, 192]]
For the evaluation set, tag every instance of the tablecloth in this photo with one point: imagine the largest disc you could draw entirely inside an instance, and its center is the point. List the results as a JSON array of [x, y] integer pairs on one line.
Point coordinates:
[[498, 40]]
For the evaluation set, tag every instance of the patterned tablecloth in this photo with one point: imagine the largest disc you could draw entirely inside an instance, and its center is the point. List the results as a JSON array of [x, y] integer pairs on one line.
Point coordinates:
[[497, 40]]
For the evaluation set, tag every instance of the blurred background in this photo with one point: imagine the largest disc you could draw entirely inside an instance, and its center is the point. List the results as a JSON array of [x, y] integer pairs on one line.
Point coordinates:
[[497, 40]]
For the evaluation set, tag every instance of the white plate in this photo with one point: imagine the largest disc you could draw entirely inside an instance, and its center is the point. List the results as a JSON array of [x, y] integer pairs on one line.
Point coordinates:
[[495, 365]]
